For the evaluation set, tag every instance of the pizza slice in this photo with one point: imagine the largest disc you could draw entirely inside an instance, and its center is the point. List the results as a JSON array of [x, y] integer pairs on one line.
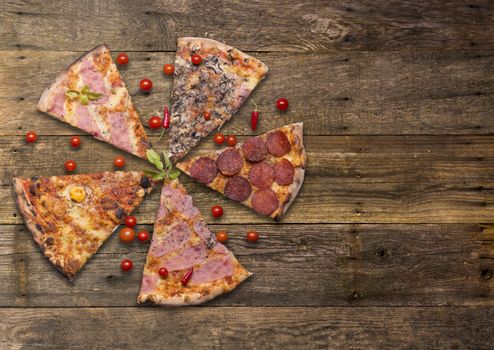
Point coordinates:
[[91, 95], [185, 264], [264, 172], [71, 216], [212, 80]]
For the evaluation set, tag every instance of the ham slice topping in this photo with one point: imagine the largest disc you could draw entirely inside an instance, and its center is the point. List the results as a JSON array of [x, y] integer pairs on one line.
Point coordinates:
[[175, 239], [188, 257], [213, 270]]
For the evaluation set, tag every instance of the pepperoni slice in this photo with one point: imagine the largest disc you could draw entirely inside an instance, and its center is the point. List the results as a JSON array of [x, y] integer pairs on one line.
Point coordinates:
[[264, 201], [277, 144], [204, 170], [230, 162], [261, 175], [254, 149], [284, 172], [238, 189]]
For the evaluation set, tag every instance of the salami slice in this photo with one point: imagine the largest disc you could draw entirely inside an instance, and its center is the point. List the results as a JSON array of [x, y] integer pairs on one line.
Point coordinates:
[[264, 201], [204, 170], [261, 174], [238, 189], [254, 149], [230, 162], [284, 172], [277, 144]]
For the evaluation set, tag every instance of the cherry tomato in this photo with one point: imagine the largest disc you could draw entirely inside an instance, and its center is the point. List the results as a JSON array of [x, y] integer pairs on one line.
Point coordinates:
[[222, 236], [163, 272], [282, 104], [196, 59], [146, 84], [70, 165], [122, 59], [168, 69], [119, 161], [126, 265], [126, 235], [219, 138], [130, 221], [217, 211], [252, 236], [231, 140], [206, 115], [143, 236], [75, 141], [154, 122], [31, 137]]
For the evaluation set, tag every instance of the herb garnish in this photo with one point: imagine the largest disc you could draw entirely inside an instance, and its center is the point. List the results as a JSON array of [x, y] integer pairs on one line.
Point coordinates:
[[84, 95], [165, 170]]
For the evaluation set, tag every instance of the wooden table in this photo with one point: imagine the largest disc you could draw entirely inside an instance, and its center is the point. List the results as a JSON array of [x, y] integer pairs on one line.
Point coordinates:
[[388, 244]]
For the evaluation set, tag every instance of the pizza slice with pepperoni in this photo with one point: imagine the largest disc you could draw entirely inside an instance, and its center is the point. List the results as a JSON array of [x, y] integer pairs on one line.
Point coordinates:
[[264, 172], [185, 264], [91, 95]]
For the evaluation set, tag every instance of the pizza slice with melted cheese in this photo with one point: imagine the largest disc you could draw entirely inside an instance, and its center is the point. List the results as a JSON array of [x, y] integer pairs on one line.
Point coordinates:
[[71, 216], [91, 95], [198, 267], [215, 87]]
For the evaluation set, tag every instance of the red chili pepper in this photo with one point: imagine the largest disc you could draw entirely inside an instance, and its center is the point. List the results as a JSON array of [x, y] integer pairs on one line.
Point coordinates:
[[187, 277], [166, 118], [254, 117]]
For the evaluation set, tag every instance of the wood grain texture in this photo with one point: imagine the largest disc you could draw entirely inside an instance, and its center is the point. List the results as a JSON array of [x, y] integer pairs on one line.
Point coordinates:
[[293, 265], [413, 92], [264, 25], [349, 179], [233, 327]]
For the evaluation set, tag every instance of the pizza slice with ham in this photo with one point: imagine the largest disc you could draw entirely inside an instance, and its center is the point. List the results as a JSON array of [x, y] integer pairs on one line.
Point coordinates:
[[212, 80], [71, 216], [185, 264], [91, 95], [264, 172]]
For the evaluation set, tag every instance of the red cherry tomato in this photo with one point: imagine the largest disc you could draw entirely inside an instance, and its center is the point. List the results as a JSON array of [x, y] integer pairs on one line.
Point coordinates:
[[168, 69], [122, 59], [146, 84], [119, 161], [196, 59], [163, 272], [231, 140], [282, 104], [206, 115], [219, 138], [126, 265], [154, 122], [130, 221], [222, 236], [70, 165], [143, 236], [217, 211], [75, 141], [31, 137], [126, 235], [252, 236]]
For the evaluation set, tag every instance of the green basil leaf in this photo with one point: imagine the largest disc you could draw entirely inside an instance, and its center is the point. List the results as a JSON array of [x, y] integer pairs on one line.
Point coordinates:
[[174, 174], [94, 95], [151, 172], [154, 158], [84, 99], [72, 94], [85, 90], [168, 162], [159, 176]]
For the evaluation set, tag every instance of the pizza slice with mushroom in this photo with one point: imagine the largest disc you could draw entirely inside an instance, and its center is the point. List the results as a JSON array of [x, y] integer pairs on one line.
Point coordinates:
[[185, 264], [71, 216], [91, 95], [264, 172], [212, 81]]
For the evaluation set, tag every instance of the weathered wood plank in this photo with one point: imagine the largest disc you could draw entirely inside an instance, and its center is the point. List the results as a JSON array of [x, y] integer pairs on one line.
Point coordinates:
[[357, 179], [293, 265], [418, 92], [252, 328], [261, 26]]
